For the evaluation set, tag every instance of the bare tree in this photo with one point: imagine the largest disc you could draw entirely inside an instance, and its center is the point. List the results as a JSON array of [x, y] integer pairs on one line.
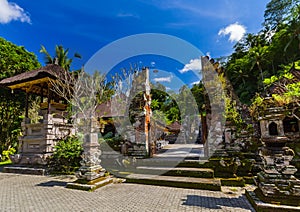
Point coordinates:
[[82, 91]]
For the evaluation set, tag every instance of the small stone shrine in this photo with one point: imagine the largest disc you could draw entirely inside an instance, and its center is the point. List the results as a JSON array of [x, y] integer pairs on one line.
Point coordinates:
[[38, 139], [276, 182], [277, 187]]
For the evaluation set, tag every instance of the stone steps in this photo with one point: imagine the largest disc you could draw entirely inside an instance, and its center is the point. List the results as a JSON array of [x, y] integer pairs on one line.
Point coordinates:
[[174, 173], [24, 170], [180, 182], [171, 162], [179, 166], [177, 171]]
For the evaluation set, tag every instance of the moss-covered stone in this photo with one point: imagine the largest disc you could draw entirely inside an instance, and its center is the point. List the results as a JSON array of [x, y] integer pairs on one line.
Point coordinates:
[[238, 181], [278, 199], [249, 180]]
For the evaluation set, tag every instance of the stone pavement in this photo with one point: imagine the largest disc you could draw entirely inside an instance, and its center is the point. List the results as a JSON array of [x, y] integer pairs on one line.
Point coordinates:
[[48, 193]]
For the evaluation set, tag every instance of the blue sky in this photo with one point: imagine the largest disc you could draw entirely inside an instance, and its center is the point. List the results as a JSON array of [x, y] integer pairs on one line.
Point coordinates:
[[86, 26]]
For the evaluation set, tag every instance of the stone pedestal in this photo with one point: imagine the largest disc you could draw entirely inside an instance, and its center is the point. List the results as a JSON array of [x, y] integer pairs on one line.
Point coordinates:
[[276, 183], [91, 175], [90, 165]]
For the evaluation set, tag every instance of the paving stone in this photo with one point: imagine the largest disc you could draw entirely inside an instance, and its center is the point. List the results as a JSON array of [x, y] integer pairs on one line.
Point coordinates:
[[48, 193]]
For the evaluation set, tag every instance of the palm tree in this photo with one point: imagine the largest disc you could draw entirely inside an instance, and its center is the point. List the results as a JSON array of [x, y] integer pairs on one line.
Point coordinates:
[[61, 57], [257, 54], [293, 30]]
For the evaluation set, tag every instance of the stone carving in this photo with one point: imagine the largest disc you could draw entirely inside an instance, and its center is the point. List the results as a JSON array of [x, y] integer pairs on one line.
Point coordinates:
[[90, 165], [277, 178], [91, 158]]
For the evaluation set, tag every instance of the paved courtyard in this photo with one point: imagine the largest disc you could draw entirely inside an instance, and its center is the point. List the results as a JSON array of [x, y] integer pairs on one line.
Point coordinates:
[[46, 193]]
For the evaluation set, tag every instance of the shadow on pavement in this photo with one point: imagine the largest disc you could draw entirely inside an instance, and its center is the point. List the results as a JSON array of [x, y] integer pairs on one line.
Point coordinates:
[[53, 183], [216, 203]]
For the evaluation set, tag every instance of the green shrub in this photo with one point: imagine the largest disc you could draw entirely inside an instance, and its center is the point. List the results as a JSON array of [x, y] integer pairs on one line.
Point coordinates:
[[7, 153], [67, 155], [108, 144], [108, 135]]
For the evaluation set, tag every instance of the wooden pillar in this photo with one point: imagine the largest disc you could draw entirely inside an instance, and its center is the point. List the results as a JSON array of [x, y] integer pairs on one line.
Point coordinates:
[[26, 105], [42, 93], [204, 134]]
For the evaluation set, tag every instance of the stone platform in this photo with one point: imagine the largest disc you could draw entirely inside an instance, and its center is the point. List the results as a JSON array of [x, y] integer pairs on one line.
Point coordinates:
[[24, 170], [91, 185], [262, 206]]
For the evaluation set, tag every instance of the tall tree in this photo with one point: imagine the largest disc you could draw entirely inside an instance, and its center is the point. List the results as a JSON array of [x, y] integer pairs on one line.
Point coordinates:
[[61, 57], [279, 12], [260, 56]]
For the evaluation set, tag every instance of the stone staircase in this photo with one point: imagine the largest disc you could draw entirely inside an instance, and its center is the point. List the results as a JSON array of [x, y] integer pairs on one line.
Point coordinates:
[[175, 166], [181, 176]]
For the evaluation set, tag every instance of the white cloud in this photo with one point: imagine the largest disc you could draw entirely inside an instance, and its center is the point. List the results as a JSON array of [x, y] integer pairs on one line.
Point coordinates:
[[235, 31], [195, 83], [193, 65], [163, 79], [10, 11]]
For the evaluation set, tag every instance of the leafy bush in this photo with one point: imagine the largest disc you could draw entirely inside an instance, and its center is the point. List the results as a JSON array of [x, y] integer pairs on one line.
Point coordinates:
[[13, 60], [108, 135], [7, 153], [67, 155], [113, 143]]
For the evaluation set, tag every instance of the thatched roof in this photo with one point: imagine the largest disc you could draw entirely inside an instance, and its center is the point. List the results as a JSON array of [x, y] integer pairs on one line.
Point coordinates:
[[175, 126], [35, 81], [104, 110], [50, 71], [113, 108]]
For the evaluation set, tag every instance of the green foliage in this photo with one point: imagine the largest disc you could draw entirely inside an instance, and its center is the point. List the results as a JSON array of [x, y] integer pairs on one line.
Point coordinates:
[[108, 135], [67, 155], [111, 143], [7, 162], [10, 119], [259, 58], [158, 115], [293, 90], [199, 94], [164, 106], [284, 73], [7, 153], [278, 12], [33, 109], [231, 113], [288, 99], [270, 81], [13, 60], [61, 57]]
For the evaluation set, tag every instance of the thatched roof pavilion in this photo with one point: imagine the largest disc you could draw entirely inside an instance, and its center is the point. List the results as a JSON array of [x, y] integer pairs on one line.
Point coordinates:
[[38, 82]]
